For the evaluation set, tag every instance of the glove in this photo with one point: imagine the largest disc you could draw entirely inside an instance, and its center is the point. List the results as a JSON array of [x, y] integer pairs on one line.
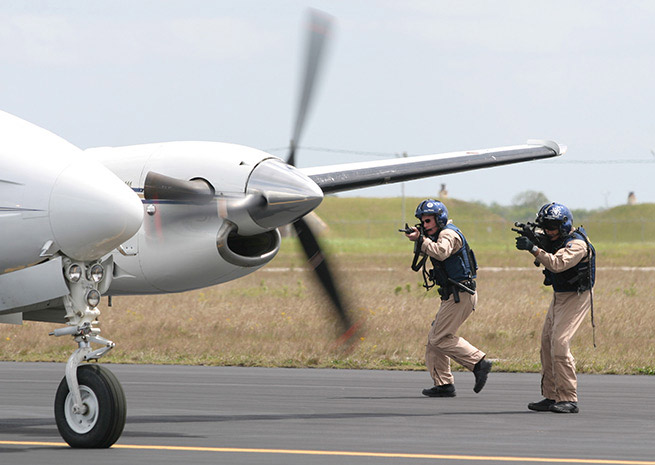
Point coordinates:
[[413, 235], [523, 243]]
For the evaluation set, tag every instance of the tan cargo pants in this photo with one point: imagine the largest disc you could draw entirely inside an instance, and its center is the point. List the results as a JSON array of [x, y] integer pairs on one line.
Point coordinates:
[[443, 345], [565, 314]]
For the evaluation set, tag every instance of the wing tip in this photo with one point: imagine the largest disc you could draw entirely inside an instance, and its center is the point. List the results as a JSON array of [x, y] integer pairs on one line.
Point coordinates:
[[551, 144]]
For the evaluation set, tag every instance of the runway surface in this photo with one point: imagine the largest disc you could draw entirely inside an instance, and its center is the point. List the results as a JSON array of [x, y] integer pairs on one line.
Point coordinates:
[[229, 415]]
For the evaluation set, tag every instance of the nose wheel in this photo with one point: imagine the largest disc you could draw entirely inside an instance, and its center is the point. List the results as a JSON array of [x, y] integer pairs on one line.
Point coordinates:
[[100, 420]]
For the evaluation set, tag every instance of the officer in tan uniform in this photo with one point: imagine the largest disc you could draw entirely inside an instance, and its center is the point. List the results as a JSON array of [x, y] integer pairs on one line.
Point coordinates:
[[454, 272], [569, 260]]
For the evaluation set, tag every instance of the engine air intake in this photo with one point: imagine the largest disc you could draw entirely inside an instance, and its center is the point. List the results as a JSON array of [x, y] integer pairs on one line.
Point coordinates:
[[247, 251]]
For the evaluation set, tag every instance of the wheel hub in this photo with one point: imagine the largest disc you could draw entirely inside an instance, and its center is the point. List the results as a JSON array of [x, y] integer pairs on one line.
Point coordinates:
[[84, 421]]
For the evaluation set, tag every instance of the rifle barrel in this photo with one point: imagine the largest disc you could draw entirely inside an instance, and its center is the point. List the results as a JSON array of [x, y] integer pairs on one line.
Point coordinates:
[[461, 286]]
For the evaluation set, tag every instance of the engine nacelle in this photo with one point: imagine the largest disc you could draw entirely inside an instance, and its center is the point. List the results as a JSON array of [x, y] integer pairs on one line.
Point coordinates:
[[184, 247], [211, 213]]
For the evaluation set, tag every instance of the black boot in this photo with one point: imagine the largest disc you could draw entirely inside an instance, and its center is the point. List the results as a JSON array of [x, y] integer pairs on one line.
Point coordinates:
[[445, 390], [481, 371], [541, 406], [565, 407]]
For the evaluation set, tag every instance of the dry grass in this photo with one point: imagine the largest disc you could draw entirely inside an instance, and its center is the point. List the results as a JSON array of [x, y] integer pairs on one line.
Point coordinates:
[[279, 318]]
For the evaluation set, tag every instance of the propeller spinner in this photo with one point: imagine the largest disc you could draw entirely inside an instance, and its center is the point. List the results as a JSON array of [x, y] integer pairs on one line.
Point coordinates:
[[288, 194]]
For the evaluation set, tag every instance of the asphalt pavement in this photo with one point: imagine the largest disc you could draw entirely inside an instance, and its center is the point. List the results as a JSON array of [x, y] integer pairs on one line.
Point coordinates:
[[231, 415]]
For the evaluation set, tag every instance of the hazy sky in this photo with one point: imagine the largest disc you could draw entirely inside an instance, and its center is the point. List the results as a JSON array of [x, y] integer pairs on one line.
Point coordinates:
[[401, 76]]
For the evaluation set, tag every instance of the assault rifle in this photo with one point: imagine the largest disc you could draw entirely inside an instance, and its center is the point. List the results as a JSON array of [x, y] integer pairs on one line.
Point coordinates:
[[418, 261], [408, 230], [529, 230]]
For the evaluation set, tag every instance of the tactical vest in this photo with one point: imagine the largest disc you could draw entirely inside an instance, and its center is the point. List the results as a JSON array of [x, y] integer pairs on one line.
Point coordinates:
[[458, 266], [579, 278]]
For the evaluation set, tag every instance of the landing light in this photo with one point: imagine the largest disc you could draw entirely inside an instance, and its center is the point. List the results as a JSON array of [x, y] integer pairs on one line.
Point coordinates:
[[74, 273], [95, 273], [93, 298]]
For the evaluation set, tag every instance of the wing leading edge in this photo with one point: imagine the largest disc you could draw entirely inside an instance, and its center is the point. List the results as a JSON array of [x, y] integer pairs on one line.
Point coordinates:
[[338, 178]]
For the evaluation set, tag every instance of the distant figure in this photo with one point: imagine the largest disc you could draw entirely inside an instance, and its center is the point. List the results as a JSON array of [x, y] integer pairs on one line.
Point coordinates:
[[632, 198], [443, 192]]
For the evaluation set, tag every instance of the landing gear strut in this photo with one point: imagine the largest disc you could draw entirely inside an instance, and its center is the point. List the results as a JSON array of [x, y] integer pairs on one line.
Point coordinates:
[[90, 406]]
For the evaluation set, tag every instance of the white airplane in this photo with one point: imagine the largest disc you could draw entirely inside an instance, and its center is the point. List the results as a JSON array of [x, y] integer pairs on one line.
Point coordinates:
[[163, 218]]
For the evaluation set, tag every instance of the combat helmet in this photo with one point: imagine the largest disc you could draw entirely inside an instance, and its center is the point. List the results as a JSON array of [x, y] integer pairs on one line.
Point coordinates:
[[555, 216], [433, 207]]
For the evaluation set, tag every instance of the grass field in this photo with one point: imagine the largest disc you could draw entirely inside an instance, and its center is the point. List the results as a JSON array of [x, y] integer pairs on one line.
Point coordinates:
[[278, 316]]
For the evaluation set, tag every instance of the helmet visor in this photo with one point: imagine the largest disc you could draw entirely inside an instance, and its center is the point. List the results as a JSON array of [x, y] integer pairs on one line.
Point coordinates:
[[551, 224]]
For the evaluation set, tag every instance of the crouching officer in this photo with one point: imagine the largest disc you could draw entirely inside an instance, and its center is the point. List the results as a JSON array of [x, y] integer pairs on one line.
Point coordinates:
[[454, 272], [570, 262]]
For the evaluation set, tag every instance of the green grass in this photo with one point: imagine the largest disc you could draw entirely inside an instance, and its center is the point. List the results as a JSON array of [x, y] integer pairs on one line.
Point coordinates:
[[361, 225], [625, 223]]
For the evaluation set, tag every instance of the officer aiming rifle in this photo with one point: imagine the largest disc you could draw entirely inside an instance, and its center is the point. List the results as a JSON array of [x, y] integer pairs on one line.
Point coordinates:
[[569, 260], [453, 270]]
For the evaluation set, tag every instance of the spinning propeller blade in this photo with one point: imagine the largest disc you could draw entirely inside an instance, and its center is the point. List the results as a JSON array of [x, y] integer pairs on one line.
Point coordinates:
[[319, 28], [319, 264]]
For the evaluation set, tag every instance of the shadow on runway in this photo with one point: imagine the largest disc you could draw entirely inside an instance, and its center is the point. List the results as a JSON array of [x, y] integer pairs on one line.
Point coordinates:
[[265, 417], [35, 427], [46, 427], [175, 419], [501, 412], [379, 397]]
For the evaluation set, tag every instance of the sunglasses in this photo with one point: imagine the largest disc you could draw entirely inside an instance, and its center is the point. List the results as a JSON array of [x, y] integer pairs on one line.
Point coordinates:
[[427, 221]]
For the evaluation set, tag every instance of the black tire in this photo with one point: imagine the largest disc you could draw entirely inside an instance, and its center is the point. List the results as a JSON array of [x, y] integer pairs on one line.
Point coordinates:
[[104, 421]]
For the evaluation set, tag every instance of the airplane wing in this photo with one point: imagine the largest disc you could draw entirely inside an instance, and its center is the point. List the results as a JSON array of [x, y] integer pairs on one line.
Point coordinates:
[[338, 178]]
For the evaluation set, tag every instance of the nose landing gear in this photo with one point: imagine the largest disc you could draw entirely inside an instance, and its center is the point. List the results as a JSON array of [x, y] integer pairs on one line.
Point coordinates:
[[90, 406]]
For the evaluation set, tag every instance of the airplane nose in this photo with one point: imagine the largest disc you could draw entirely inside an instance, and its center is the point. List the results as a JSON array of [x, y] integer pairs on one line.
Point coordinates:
[[288, 194], [92, 211]]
